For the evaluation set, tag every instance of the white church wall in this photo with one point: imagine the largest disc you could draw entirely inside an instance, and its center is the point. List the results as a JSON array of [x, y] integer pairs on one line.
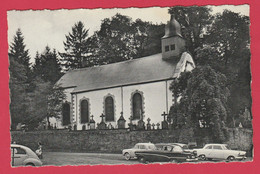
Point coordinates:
[[96, 105], [154, 96]]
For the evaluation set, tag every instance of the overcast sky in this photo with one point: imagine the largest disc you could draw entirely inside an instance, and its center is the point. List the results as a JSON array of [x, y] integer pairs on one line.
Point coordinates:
[[49, 27]]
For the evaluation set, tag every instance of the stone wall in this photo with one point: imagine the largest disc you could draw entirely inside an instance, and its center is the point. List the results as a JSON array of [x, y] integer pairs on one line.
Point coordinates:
[[114, 140]]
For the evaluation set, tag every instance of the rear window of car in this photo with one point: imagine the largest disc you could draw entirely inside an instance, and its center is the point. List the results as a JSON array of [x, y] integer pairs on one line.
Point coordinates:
[[151, 147], [141, 146], [217, 147], [18, 150]]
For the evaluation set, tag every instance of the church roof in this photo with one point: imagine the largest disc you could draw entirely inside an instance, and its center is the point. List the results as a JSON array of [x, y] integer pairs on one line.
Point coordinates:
[[146, 69]]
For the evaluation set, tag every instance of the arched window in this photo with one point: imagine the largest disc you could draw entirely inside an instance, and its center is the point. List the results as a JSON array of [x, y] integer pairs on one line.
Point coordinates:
[[109, 108], [84, 111], [137, 106], [66, 114]]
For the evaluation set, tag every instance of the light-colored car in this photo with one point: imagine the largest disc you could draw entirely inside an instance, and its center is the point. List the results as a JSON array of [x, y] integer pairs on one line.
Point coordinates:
[[220, 152], [23, 156], [130, 153]]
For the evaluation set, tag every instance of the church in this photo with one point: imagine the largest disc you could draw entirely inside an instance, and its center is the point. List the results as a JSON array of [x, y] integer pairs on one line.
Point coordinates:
[[136, 89]]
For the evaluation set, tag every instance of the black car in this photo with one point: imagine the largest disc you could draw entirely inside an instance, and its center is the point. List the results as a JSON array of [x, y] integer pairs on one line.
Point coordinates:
[[166, 152]]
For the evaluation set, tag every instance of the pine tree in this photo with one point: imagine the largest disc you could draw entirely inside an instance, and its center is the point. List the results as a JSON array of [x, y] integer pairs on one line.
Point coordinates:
[[20, 53], [76, 47]]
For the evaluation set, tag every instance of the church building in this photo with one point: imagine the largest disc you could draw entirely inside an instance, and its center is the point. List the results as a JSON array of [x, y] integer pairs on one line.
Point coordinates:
[[136, 88]]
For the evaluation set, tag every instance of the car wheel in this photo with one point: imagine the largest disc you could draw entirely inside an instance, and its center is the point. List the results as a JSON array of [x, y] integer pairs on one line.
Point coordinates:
[[202, 157], [231, 158], [127, 156], [29, 164], [142, 160]]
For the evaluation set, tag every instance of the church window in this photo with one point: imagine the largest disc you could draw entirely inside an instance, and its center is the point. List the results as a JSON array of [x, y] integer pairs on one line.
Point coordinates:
[[173, 47], [66, 114], [167, 48], [137, 106], [84, 111], [109, 108]]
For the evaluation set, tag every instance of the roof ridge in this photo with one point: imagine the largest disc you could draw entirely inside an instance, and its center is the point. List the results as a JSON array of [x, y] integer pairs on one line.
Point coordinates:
[[116, 63]]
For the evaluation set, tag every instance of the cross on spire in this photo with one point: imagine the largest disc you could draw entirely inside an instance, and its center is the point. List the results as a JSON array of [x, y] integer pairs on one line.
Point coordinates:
[[164, 115]]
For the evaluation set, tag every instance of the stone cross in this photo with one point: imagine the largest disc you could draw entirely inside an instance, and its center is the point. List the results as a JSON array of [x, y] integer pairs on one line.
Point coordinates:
[[158, 125], [102, 117], [153, 125], [92, 117], [148, 120], [164, 115]]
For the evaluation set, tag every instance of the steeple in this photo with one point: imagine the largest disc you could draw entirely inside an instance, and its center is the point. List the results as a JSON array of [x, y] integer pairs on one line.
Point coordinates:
[[173, 43]]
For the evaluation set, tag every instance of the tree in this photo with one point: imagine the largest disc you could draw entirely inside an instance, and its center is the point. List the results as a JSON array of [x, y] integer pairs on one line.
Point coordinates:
[[18, 85], [203, 102], [20, 53], [76, 47], [195, 21], [47, 66]]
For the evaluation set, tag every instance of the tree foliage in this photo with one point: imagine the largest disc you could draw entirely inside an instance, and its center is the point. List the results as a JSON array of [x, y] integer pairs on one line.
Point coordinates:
[[76, 47]]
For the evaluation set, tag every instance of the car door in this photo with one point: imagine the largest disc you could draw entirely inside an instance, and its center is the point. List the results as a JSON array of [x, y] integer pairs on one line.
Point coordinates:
[[217, 152], [208, 151], [18, 156]]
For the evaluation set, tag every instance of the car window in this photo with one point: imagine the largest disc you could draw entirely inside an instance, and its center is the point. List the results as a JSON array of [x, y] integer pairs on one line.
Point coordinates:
[[177, 149], [226, 147], [141, 146], [217, 147], [18, 150], [151, 147], [208, 147]]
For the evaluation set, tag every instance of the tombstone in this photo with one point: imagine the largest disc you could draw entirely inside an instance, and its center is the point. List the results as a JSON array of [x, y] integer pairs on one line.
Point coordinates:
[[55, 125], [110, 126], [130, 125], [148, 125], [153, 125], [140, 125], [121, 122], [74, 127], [84, 127], [92, 123], [102, 124], [164, 122], [158, 126]]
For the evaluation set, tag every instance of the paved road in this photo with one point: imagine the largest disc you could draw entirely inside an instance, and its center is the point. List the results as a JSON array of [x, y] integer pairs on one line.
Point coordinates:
[[66, 158]]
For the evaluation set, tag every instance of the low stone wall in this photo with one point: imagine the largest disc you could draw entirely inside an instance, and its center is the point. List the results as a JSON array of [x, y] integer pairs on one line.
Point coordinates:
[[114, 140]]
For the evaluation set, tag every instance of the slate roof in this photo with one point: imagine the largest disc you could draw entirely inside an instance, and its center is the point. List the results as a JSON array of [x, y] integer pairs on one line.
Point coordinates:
[[146, 69]]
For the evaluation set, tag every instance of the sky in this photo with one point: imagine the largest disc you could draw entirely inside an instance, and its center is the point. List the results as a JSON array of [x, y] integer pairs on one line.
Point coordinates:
[[49, 27]]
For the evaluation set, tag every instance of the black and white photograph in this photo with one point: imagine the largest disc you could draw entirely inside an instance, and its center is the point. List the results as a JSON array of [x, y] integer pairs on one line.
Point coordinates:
[[130, 86]]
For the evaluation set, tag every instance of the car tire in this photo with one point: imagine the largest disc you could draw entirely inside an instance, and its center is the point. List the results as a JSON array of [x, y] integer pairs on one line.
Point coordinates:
[[29, 164], [127, 156], [231, 158], [202, 157]]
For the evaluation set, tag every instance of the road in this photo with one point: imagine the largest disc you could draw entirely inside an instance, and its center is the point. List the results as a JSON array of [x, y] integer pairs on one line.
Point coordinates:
[[67, 158]]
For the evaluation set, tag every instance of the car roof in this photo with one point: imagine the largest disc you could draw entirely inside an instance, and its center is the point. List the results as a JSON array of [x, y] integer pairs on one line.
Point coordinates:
[[144, 144], [214, 144]]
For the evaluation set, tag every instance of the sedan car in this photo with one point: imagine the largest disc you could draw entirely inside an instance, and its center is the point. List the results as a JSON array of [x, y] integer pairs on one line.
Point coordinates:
[[130, 153], [220, 152], [167, 152], [23, 156]]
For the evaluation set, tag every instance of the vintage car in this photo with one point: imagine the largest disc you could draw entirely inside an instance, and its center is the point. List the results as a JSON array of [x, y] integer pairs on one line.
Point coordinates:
[[23, 156], [130, 153], [166, 152], [220, 152]]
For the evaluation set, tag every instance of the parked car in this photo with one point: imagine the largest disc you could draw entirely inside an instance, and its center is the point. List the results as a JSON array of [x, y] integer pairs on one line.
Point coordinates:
[[23, 156], [220, 152], [166, 152], [130, 153]]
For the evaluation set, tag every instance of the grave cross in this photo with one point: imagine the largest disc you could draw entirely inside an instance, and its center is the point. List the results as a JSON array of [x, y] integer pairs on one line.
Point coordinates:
[[164, 115], [92, 117], [153, 125], [102, 117], [148, 120], [158, 124]]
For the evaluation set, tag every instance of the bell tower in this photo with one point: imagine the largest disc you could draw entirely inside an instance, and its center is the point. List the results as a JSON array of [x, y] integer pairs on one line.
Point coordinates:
[[173, 43]]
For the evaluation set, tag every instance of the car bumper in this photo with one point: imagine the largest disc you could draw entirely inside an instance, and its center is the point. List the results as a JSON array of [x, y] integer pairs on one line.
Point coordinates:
[[240, 158], [192, 159]]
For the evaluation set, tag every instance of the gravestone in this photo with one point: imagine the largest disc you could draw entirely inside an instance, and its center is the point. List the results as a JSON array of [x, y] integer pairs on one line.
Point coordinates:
[[131, 125], [92, 123], [110, 126], [153, 125], [164, 122], [121, 122], [158, 126], [140, 123], [148, 125]]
